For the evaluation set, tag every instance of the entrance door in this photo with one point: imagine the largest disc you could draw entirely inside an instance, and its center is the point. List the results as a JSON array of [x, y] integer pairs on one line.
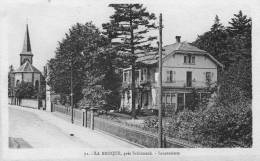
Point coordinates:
[[189, 79]]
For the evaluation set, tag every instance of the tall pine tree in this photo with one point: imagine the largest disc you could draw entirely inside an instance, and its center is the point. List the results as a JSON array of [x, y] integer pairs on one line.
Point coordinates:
[[240, 24], [127, 30], [214, 41]]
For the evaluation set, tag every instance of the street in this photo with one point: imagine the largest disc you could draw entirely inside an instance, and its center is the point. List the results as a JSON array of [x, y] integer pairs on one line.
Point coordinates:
[[41, 129]]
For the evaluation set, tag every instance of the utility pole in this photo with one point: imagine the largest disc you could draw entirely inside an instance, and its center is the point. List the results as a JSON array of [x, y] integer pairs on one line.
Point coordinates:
[[71, 91], [160, 84]]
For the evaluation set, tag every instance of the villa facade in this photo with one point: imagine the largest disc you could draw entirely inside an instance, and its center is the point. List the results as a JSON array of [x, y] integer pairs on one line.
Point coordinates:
[[184, 68]]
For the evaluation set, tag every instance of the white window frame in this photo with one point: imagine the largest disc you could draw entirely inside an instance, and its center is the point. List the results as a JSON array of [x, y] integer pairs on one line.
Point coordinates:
[[189, 59]]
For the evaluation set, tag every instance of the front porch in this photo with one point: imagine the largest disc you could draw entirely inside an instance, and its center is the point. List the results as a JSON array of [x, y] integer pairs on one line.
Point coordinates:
[[173, 99]]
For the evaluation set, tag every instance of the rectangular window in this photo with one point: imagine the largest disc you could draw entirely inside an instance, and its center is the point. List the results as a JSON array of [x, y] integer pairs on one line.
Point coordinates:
[[142, 77], [137, 76], [156, 77], [173, 98], [188, 59], [163, 98], [189, 79], [169, 75], [168, 99], [208, 76], [129, 76], [125, 76], [193, 59], [144, 74]]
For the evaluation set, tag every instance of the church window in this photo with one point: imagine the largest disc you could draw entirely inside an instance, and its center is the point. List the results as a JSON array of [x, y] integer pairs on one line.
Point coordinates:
[[17, 82], [37, 85]]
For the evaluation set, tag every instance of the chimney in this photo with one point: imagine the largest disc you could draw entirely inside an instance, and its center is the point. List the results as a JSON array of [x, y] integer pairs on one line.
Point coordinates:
[[178, 39]]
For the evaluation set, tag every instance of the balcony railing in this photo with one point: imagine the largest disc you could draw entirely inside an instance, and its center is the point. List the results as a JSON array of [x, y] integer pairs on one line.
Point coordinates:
[[138, 83]]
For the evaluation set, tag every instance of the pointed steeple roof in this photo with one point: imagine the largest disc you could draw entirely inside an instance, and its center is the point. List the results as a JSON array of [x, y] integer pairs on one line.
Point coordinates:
[[27, 44]]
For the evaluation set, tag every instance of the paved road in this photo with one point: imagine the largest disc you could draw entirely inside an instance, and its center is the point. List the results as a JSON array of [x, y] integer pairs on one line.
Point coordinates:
[[41, 129]]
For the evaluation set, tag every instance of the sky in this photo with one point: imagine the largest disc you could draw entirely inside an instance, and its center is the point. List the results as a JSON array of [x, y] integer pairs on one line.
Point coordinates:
[[49, 20]]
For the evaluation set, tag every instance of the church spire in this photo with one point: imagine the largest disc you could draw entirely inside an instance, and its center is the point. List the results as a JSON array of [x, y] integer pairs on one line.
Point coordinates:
[[27, 43], [26, 54]]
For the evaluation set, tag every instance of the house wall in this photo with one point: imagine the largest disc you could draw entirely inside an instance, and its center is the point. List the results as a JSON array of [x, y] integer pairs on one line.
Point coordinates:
[[176, 64], [201, 61]]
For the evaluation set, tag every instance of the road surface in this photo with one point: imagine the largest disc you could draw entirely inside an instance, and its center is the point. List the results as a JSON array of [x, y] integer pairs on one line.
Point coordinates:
[[40, 129]]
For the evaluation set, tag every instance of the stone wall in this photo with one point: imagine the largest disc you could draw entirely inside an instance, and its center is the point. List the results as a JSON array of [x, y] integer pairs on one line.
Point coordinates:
[[32, 103]]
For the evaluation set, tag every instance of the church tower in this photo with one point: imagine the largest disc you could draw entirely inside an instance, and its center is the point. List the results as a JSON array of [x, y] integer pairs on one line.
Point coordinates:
[[27, 72], [26, 54]]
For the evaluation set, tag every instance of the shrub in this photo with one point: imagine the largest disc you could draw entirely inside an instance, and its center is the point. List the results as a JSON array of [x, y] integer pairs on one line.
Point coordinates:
[[151, 123], [25, 90], [216, 126]]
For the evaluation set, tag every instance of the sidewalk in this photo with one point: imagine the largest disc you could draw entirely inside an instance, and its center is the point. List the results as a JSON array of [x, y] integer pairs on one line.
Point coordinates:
[[64, 130]]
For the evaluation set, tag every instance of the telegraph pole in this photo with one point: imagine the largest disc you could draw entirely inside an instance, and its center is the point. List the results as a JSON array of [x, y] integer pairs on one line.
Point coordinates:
[[160, 84], [71, 91]]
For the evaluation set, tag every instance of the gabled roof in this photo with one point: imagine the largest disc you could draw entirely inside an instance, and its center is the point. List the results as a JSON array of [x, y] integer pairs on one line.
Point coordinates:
[[27, 67], [182, 47]]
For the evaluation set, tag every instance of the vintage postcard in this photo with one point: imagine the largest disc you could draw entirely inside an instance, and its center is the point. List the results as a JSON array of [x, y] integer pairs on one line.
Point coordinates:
[[127, 80]]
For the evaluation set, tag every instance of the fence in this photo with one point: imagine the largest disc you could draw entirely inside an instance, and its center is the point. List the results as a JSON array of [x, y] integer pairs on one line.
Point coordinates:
[[77, 114], [129, 133]]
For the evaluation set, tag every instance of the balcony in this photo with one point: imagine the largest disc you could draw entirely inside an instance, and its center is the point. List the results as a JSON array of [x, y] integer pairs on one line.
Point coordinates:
[[138, 83]]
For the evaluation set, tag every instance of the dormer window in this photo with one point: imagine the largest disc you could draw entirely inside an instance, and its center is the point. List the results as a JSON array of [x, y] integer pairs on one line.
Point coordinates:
[[189, 59]]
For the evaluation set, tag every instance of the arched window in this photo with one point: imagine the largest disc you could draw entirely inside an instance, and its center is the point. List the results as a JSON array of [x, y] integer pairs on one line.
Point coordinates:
[[17, 83], [37, 85]]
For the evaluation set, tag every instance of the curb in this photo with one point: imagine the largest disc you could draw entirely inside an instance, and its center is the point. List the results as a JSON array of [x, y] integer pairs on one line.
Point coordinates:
[[117, 137], [101, 131]]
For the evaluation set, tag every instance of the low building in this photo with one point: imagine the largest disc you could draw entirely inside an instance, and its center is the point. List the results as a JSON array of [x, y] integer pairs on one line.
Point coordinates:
[[184, 68]]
